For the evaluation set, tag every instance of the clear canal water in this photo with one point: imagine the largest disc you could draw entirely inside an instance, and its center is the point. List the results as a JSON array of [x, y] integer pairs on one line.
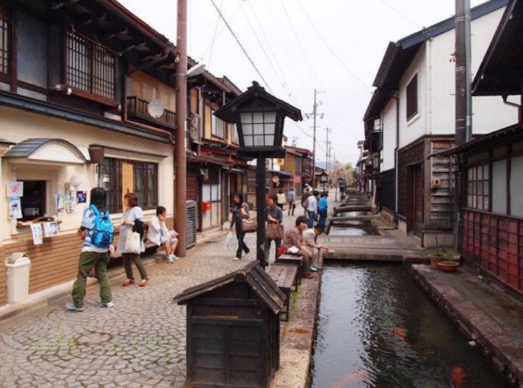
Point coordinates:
[[378, 328]]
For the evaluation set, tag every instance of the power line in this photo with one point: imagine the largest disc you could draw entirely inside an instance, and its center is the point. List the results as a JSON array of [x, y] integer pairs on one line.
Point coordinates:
[[400, 14], [241, 46], [333, 53]]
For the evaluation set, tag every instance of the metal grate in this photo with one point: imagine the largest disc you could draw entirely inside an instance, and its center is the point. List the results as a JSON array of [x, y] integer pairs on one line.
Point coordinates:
[[191, 223]]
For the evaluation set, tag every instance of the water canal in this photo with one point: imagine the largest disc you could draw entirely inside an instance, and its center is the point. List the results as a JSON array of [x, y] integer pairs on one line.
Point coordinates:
[[377, 328]]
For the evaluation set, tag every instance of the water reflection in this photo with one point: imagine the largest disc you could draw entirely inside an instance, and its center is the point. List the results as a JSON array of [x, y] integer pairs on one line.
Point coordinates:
[[377, 328]]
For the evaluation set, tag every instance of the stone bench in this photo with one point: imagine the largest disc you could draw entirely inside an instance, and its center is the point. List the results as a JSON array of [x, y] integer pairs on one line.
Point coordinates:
[[284, 276]]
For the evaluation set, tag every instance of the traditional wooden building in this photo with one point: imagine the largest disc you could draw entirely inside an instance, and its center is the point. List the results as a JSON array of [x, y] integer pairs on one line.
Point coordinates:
[[87, 98], [410, 118], [492, 166]]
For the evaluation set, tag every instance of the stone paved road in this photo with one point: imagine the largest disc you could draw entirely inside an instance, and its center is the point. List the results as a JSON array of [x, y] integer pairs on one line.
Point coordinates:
[[138, 343]]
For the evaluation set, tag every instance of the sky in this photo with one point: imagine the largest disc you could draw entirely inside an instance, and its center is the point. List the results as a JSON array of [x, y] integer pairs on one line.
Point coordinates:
[[296, 48]]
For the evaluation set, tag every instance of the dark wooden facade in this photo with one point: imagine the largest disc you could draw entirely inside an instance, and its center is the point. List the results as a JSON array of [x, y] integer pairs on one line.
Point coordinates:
[[233, 330]]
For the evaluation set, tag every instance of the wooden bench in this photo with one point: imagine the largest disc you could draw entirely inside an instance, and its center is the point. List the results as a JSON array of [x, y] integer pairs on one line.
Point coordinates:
[[284, 276], [292, 260]]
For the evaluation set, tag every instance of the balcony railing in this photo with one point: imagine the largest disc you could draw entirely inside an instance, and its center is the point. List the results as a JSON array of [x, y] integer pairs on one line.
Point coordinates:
[[137, 109]]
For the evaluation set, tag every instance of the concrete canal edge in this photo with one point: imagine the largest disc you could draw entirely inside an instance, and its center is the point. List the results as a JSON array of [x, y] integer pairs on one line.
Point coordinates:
[[297, 340], [473, 322]]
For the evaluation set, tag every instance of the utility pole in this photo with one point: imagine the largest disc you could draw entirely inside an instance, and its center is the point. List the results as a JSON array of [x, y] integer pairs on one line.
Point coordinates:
[[463, 74], [314, 114], [327, 130], [181, 106]]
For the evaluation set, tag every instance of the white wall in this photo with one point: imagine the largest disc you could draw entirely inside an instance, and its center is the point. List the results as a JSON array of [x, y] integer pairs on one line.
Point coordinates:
[[389, 135], [16, 126], [436, 87]]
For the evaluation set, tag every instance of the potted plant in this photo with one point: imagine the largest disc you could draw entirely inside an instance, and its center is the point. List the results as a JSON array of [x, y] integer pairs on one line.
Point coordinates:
[[439, 254], [449, 261]]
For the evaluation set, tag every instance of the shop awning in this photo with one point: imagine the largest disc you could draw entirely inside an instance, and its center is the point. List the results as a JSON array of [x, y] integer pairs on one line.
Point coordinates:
[[48, 150]]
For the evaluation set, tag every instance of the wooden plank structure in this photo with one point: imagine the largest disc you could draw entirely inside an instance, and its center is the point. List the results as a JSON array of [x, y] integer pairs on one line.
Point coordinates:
[[233, 329], [292, 260], [285, 278]]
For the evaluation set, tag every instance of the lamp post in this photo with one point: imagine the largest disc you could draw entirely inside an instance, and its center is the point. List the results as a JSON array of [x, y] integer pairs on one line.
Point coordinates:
[[342, 185], [259, 118], [324, 178]]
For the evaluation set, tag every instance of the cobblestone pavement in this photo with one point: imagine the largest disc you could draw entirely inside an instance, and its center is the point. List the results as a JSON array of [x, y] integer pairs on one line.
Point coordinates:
[[138, 343]]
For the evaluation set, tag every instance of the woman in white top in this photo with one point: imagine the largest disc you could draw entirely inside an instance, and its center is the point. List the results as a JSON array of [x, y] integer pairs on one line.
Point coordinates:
[[131, 213], [160, 235]]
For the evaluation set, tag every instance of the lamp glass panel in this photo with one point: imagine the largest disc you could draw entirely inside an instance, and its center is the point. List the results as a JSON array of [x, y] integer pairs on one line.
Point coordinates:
[[269, 140], [257, 117], [246, 118], [248, 140], [258, 141], [270, 117], [247, 129], [258, 129]]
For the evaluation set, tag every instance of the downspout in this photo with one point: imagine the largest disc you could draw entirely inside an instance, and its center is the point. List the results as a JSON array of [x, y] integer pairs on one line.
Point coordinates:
[[396, 161]]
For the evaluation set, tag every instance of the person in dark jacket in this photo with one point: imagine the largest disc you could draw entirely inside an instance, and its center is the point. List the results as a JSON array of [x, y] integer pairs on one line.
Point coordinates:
[[273, 216], [240, 212]]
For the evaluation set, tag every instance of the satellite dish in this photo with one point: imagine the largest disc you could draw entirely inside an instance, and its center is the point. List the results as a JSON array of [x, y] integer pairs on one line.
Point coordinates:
[[155, 108]]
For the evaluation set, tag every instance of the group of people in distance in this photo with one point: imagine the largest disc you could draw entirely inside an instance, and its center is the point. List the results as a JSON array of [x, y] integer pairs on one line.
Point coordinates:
[[301, 239], [93, 256]]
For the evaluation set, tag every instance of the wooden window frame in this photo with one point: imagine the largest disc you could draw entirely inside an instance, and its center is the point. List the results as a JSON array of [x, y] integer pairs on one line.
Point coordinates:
[[5, 37], [90, 69], [411, 92], [478, 186], [215, 123], [147, 195]]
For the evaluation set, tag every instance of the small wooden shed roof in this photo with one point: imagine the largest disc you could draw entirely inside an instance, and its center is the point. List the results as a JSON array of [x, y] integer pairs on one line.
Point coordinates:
[[261, 283]]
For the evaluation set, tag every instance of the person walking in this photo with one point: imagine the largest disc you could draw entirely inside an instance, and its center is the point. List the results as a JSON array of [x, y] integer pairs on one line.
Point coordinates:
[[323, 206], [312, 207], [158, 234], [291, 199], [92, 256], [310, 236], [132, 215], [294, 238], [273, 216], [240, 212]]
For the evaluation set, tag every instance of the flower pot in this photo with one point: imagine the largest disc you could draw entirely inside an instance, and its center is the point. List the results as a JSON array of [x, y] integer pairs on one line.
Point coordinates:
[[434, 260], [448, 266]]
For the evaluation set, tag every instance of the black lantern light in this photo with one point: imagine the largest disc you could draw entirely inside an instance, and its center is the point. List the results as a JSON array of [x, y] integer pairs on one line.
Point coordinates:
[[324, 178], [259, 118]]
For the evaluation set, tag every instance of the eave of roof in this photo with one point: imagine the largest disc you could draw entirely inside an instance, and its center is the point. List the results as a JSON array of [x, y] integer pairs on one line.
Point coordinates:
[[501, 69]]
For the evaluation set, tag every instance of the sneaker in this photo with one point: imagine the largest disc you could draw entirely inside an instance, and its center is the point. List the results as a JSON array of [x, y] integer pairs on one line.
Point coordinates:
[[176, 258], [72, 307], [236, 259], [314, 269], [108, 305], [128, 282], [144, 282], [171, 259]]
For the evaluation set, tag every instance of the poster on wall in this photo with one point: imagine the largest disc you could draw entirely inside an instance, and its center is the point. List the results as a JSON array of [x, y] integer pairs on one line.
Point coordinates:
[[59, 198], [36, 229], [81, 196], [15, 208], [15, 189], [50, 229]]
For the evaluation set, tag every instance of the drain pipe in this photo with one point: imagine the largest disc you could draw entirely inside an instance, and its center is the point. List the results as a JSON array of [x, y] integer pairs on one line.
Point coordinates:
[[396, 161]]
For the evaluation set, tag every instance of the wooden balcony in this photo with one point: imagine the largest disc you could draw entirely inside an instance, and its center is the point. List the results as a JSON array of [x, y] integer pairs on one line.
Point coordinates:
[[137, 110]]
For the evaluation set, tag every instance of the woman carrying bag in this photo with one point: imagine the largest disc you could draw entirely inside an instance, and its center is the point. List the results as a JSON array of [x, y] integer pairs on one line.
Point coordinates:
[[130, 243], [274, 229], [240, 212]]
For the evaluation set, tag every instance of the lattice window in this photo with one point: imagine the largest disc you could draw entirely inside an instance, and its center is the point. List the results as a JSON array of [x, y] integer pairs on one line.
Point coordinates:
[[146, 184], [111, 176], [478, 187], [219, 127], [90, 66], [4, 40], [412, 98]]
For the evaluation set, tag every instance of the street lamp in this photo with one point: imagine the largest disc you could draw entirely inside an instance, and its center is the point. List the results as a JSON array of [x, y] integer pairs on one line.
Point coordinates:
[[324, 178], [259, 118], [342, 184]]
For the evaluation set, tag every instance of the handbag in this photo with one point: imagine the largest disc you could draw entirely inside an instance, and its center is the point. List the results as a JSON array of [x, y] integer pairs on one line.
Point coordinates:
[[249, 226], [132, 243], [274, 232]]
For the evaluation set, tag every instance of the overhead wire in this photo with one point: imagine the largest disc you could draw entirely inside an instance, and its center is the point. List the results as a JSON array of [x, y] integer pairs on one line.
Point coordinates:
[[241, 46], [400, 14], [214, 37]]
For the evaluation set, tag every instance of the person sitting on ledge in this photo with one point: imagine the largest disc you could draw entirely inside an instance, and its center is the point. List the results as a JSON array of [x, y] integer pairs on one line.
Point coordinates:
[[294, 238], [160, 235]]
